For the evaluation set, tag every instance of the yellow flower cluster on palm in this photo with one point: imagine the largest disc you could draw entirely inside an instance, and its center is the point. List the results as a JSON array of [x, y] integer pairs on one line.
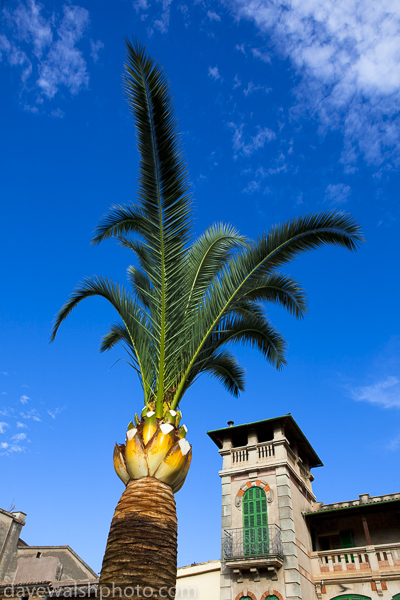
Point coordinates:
[[154, 449]]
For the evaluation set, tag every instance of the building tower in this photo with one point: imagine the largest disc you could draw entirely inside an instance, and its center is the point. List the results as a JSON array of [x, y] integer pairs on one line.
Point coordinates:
[[266, 486]]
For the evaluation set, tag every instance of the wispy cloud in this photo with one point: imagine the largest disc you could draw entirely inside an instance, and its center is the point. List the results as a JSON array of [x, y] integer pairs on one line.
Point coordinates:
[[24, 399], [45, 49], [3, 427], [240, 48], [4, 373], [213, 72], [31, 414], [21, 425], [64, 64], [57, 411], [95, 48], [247, 148], [264, 56], [384, 393], [162, 23], [18, 437], [337, 194], [11, 448], [236, 82], [347, 58], [213, 16], [394, 444], [251, 88]]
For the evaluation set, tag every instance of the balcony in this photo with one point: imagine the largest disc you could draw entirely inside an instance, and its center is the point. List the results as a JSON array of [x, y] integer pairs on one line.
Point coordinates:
[[354, 561], [252, 549]]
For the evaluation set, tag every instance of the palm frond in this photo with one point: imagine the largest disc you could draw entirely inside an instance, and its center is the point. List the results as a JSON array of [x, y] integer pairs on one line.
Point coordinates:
[[164, 196], [141, 286], [131, 314], [119, 221], [224, 367], [189, 302], [207, 256], [117, 334], [263, 257], [281, 290]]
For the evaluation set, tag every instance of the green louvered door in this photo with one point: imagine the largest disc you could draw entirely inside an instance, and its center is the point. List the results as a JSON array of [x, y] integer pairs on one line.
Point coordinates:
[[255, 522]]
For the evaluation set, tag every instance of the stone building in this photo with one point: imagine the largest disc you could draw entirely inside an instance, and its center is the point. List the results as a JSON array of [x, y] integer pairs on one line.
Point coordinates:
[[278, 542], [24, 568]]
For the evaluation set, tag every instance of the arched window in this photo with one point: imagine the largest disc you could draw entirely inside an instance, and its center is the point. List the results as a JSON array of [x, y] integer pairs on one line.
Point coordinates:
[[351, 597], [255, 522], [396, 597]]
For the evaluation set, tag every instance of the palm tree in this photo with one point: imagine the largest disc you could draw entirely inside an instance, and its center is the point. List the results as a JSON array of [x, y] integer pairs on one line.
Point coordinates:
[[188, 301]]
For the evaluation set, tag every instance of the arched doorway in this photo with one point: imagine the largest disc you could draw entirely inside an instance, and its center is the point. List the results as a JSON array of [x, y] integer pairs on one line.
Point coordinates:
[[255, 522]]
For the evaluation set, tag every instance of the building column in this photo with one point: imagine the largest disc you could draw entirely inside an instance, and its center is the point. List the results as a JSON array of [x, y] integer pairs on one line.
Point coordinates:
[[226, 523], [290, 565]]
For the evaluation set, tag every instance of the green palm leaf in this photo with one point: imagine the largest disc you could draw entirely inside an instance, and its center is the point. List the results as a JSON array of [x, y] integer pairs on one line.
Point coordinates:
[[191, 301]]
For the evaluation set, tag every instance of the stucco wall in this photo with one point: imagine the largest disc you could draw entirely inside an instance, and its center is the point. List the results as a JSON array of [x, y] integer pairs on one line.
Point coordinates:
[[199, 581]]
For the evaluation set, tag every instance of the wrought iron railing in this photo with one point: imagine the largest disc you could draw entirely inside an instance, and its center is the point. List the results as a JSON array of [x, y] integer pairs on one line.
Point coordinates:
[[256, 542]]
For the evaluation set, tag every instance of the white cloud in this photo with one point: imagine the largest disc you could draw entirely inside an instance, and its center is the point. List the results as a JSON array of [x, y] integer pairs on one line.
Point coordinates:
[[337, 194], [64, 64], [255, 143], [394, 444], [21, 425], [162, 23], [58, 113], [3, 427], [384, 393], [213, 16], [252, 187], [18, 437], [44, 47], [213, 72], [31, 414], [236, 82], [3, 372], [95, 49], [6, 412], [184, 9], [347, 55], [264, 56], [24, 399], [11, 448], [251, 88], [140, 5], [55, 412]]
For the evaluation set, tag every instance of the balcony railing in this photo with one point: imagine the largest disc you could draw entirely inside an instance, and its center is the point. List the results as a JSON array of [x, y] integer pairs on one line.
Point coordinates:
[[367, 558], [258, 542]]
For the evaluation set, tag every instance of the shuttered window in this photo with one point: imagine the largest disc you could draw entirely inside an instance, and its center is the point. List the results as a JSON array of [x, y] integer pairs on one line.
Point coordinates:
[[255, 522], [351, 597]]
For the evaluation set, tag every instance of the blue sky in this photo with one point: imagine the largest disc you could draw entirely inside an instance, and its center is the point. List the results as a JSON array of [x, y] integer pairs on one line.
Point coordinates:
[[285, 108]]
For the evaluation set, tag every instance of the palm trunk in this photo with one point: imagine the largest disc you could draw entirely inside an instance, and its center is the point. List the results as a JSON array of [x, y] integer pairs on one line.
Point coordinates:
[[142, 544]]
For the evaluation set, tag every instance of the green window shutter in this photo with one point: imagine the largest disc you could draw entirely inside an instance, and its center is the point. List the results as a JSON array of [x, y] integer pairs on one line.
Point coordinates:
[[346, 539], [255, 522], [352, 597]]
